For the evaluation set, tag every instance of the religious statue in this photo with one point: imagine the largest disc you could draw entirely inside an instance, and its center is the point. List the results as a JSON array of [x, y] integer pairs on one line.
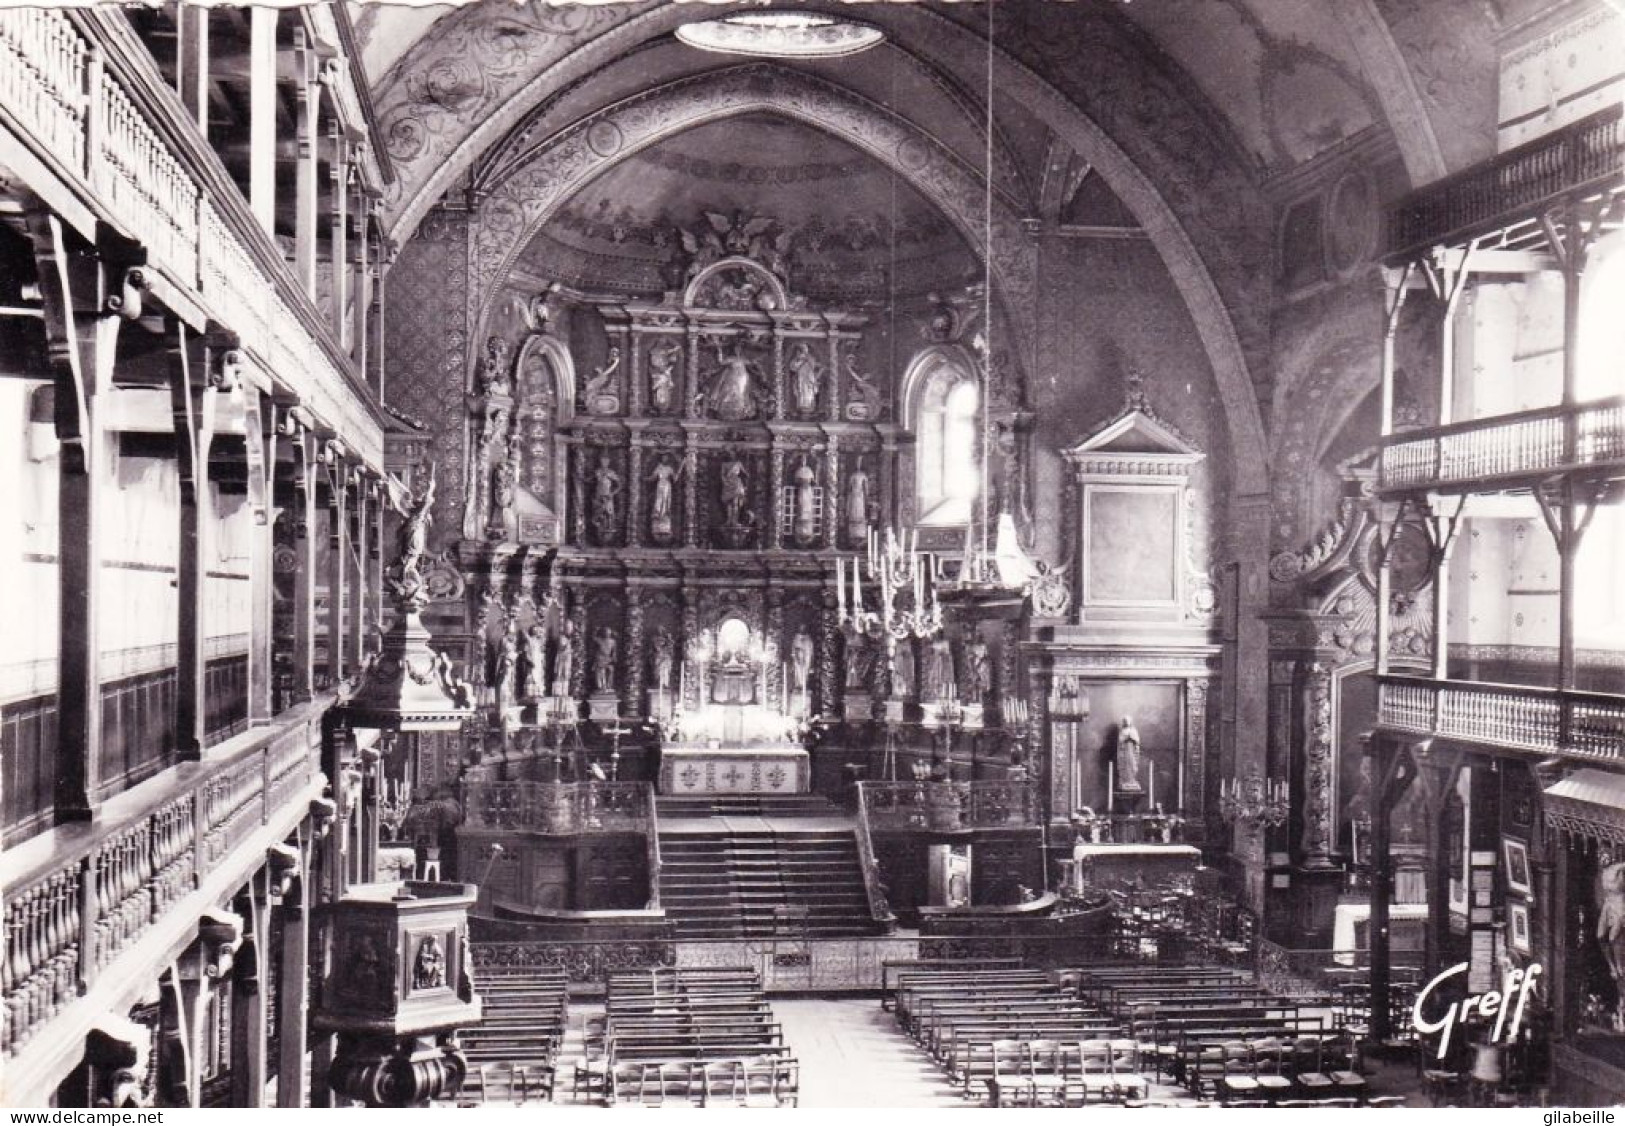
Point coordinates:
[[806, 375], [535, 662], [537, 313], [806, 525], [857, 503], [977, 672], [939, 670], [599, 392], [663, 659], [858, 662], [507, 667], [406, 575], [564, 659], [664, 476], [603, 660], [1611, 926], [731, 391], [867, 405], [663, 373], [606, 495], [801, 659], [735, 493], [429, 969], [504, 480], [1128, 757], [902, 670], [494, 376]]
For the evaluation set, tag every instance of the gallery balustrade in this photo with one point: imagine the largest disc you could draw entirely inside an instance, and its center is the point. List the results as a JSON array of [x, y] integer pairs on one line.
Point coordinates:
[[1546, 721], [1530, 442]]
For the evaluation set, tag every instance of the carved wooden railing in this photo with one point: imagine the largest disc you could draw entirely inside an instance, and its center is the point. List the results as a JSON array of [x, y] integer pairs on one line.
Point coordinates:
[[79, 896], [1584, 156], [651, 842], [873, 887], [1537, 441], [80, 91], [1546, 721], [559, 808], [947, 806]]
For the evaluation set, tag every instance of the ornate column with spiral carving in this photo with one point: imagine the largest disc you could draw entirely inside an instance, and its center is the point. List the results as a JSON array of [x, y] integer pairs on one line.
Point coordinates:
[[1317, 766]]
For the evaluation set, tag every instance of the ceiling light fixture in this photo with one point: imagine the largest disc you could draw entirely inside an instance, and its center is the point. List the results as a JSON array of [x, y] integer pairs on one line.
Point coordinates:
[[780, 35]]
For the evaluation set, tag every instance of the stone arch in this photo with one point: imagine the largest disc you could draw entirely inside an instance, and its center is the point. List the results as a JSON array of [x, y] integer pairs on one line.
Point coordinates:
[[920, 368], [515, 211]]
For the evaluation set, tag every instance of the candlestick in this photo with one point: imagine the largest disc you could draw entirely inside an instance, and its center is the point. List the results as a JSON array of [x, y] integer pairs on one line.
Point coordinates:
[[840, 588], [1151, 769], [1111, 784]]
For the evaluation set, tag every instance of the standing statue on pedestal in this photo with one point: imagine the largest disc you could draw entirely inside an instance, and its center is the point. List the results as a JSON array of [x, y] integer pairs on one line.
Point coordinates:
[[664, 476], [801, 659], [977, 671], [663, 660], [902, 670], [731, 393], [663, 374], [806, 376], [535, 662], [857, 662], [806, 526], [504, 481], [606, 493], [735, 492], [857, 504], [564, 659], [1128, 757], [507, 668], [406, 574], [603, 661], [939, 670]]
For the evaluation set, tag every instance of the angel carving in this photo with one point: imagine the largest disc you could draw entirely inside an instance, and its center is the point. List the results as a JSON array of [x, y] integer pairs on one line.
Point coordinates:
[[599, 391], [538, 312], [704, 248]]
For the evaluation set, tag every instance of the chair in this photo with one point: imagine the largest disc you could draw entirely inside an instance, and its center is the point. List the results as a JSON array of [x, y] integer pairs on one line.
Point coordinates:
[[1127, 1081], [592, 1070], [1095, 1070], [1046, 1075], [1008, 1085], [786, 1081], [1240, 1077], [724, 1082], [1271, 1067], [1306, 1066], [761, 1082], [677, 1082]]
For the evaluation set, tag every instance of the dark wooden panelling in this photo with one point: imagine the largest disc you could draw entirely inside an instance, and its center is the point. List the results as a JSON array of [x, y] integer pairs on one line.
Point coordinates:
[[27, 742], [138, 729], [225, 690]]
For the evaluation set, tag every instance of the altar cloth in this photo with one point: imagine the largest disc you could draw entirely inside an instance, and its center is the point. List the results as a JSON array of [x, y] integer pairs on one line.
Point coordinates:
[[735, 770], [1154, 863]]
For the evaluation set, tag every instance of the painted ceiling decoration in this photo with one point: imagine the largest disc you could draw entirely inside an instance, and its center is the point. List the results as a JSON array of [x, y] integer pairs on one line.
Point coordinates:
[[780, 35]]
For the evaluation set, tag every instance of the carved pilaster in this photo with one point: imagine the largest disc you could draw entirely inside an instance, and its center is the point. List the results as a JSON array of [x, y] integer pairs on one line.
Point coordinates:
[[635, 661], [1054, 712], [636, 523], [690, 601], [781, 401], [1317, 767], [578, 493], [1196, 692], [691, 377], [828, 640], [832, 492], [775, 634], [691, 480], [776, 472], [632, 349], [837, 393], [578, 667]]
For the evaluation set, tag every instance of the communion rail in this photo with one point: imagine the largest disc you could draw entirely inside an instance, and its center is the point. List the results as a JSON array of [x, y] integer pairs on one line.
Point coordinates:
[[947, 806], [561, 808]]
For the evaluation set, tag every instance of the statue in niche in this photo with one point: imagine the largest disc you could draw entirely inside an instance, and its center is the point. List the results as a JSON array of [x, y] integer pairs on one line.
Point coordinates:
[[806, 525], [1611, 924], [599, 393], [902, 670], [535, 662], [731, 391], [506, 667], [806, 375], [504, 483], [494, 376], [663, 374], [857, 503], [603, 661], [867, 405], [735, 492], [664, 657], [606, 495], [801, 659], [977, 673], [429, 969], [939, 670], [1128, 757], [564, 658], [859, 662], [664, 476]]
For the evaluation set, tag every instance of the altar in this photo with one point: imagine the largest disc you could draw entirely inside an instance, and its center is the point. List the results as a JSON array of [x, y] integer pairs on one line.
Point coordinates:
[[711, 769], [1151, 864]]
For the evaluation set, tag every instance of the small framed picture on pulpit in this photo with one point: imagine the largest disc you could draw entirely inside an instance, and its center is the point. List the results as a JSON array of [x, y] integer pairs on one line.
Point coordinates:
[[1517, 860], [1518, 928]]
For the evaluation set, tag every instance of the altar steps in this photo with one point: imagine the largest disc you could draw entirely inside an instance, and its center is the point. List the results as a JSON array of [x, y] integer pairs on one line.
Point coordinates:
[[747, 805], [732, 883]]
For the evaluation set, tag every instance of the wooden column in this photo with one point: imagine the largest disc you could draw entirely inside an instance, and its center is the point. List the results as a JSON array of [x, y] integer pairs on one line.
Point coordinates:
[[308, 105], [338, 547], [192, 61], [304, 574], [375, 564], [192, 403], [293, 986], [261, 435], [81, 295], [363, 282], [248, 1036], [262, 107], [338, 236], [361, 523]]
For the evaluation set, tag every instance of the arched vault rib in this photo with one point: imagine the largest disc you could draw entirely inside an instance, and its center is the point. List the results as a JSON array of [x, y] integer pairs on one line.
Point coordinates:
[[515, 211]]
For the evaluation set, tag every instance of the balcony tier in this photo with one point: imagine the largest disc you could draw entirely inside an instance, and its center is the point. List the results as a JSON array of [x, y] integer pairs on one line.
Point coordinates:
[[89, 127], [1505, 197], [1507, 453], [1588, 726]]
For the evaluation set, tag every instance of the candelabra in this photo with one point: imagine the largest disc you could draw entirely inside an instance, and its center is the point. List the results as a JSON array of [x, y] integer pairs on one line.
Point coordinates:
[[394, 802], [1254, 801], [896, 571]]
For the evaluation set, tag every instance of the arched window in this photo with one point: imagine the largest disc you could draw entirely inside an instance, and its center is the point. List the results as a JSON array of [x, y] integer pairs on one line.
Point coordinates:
[[945, 399]]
